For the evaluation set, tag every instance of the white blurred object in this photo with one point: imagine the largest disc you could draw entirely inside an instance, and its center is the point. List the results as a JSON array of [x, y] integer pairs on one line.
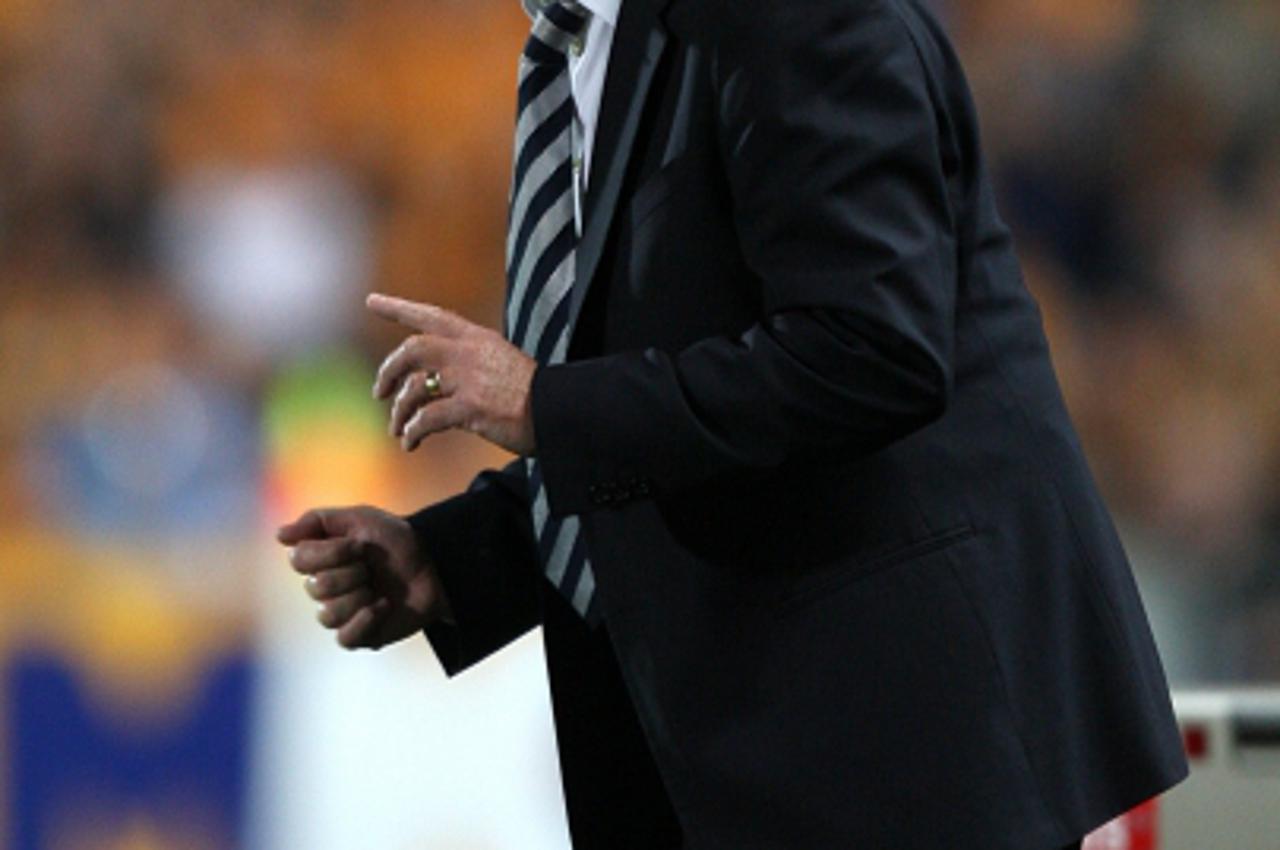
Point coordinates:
[[364, 750], [1232, 798], [276, 259]]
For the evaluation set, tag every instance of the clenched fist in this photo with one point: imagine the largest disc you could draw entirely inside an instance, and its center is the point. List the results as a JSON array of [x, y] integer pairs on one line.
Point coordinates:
[[364, 567], [480, 381]]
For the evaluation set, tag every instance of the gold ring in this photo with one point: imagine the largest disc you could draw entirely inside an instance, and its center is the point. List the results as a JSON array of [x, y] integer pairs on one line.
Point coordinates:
[[431, 382]]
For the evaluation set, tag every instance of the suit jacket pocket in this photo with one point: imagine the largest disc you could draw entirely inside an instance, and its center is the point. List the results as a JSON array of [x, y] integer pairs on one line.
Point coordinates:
[[828, 581]]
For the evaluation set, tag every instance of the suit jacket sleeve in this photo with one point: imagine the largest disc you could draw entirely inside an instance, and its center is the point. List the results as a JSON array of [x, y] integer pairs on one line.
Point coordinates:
[[481, 543], [837, 163]]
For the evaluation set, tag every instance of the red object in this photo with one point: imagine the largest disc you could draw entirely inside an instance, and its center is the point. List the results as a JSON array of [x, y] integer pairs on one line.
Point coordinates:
[[1196, 742], [1134, 830]]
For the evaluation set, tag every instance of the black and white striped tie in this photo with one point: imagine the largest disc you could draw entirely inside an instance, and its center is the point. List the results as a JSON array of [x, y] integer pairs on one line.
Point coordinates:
[[541, 237]]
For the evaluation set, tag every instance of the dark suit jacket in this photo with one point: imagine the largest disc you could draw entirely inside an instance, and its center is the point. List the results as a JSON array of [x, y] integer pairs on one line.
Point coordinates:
[[859, 582]]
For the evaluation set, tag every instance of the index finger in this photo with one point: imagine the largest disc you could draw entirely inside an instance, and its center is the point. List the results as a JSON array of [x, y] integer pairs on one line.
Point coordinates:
[[427, 318], [315, 524]]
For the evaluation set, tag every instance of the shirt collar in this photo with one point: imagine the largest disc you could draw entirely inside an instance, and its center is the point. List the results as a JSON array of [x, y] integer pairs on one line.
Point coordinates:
[[605, 9]]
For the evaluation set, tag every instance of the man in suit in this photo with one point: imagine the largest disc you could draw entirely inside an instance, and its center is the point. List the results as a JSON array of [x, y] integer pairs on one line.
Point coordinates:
[[816, 553]]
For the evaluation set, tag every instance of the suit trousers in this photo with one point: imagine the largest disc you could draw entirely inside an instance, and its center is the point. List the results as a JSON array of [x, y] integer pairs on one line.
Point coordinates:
[[614, 795]]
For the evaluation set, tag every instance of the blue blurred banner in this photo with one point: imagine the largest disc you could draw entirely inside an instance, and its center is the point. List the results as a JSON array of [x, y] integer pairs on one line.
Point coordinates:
[[127, 688], [83, 775]]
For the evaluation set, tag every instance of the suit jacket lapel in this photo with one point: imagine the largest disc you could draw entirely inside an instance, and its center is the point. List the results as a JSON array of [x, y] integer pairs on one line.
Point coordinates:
[[637, 47]]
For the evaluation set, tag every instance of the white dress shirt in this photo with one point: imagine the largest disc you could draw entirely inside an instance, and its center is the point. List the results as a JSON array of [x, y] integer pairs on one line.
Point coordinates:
[[586, 80]]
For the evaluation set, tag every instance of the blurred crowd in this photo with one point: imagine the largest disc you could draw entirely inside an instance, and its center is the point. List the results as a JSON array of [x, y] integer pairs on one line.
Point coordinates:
[[1137, 150], [196, 194]]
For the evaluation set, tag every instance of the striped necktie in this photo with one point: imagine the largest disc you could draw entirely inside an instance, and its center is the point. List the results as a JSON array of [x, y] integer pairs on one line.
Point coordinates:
[[541, 237]]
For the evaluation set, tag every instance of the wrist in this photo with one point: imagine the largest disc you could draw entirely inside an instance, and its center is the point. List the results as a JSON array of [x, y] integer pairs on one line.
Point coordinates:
[[528, 439]]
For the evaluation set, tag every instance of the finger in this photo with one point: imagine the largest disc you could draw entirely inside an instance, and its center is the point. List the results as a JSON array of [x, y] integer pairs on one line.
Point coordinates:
[[315, 524], [413, 395], [334, 613], [427, 318], [328, 584], [362, 629], [438, 416], [312, 556], [306, 527], [418, 352]]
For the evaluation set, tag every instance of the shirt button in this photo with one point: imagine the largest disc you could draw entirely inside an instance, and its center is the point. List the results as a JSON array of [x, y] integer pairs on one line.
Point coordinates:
[[576, 46]]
